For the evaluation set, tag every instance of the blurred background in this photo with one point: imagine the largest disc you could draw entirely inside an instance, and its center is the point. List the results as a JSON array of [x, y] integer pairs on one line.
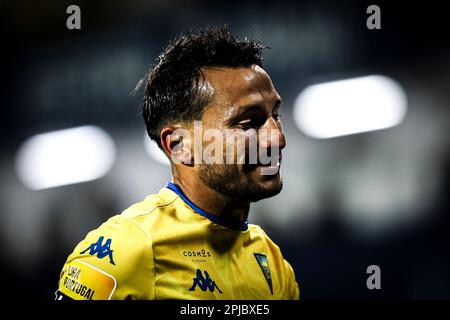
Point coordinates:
[[366, 181]]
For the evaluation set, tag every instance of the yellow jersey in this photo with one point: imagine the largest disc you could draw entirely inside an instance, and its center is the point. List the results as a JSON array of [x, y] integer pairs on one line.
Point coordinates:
[[165, 247]]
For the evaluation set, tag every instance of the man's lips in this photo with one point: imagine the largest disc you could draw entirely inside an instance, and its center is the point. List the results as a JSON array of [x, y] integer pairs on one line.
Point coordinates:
[[274, 162]]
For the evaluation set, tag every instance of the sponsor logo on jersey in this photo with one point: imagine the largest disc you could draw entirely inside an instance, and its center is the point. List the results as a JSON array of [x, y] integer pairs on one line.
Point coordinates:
[[204, 282], [101, 249], [264, 264], [197, 255]]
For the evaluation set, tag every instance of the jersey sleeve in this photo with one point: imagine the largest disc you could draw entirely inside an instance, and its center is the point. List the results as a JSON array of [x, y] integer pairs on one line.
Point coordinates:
[[293, 290], [287, 277], [113, 262]]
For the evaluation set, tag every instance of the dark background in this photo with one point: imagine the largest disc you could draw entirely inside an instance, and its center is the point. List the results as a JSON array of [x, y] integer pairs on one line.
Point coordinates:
[[349, 202]]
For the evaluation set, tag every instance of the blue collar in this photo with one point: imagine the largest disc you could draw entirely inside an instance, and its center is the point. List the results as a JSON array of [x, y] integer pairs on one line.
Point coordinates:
[[210, 216]]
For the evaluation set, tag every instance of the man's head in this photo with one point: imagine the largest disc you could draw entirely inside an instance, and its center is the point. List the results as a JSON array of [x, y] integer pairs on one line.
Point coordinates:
[[209, 98]]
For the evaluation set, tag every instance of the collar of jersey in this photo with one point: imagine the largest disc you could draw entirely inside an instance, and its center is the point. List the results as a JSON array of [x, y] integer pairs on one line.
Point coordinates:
[[210, 216]]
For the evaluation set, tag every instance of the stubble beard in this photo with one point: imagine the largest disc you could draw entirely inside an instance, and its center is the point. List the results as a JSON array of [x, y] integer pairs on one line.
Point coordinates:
[[228, 180]]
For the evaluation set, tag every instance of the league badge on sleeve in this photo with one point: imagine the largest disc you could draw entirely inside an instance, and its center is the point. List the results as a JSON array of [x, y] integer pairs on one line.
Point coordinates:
[[264, 264], [82, 281]]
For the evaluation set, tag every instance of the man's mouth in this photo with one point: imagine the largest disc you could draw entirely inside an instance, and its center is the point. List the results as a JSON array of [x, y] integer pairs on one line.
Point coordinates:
[[274, 161], [271, 168]]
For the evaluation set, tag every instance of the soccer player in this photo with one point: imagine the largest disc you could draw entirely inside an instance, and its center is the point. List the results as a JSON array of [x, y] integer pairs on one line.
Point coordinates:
[[192, 239]]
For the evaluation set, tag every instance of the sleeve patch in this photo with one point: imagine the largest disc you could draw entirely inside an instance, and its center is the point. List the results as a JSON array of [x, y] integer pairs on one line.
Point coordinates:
[[82, 281]]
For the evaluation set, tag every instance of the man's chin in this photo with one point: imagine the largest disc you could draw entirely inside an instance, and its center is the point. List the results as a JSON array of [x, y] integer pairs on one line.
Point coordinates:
[[253, 184], [268, 186]]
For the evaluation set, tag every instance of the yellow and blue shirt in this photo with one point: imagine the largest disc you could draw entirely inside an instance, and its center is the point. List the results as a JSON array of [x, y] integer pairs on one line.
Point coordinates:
[[165, 247]]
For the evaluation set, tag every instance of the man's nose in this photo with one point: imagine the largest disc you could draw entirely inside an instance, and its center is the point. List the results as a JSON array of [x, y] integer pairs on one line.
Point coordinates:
[[272, 135]]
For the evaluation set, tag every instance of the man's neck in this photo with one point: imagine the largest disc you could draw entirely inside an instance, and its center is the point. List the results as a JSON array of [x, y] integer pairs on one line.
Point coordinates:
[[233, 212]]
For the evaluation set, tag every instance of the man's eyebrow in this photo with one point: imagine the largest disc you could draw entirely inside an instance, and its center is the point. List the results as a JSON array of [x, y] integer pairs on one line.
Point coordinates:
[[250, 108], [255, 106], [243, 111]]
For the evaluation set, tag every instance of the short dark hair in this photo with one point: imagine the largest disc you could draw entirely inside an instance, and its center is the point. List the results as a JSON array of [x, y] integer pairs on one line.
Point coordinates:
[[172, 92]]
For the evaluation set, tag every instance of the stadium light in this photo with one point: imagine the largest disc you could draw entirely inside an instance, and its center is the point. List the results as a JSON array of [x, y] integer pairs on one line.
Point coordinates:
[[154, 151], [350, 106], [65, 157]]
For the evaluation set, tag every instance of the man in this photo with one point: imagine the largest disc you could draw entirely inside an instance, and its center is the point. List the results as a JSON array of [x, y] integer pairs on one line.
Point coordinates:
[[192, 240]]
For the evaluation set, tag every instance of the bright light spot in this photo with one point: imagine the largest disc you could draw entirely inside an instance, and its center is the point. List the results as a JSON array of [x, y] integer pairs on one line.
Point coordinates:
[[154, 151], [65, 157], [350, 106]]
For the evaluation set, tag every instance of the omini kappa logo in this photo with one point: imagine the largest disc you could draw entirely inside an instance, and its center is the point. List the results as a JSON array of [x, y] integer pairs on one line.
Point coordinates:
[[204, 283], [102, 250]]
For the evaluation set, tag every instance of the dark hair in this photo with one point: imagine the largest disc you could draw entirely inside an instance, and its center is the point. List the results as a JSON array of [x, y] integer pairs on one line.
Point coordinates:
[[172, 93]]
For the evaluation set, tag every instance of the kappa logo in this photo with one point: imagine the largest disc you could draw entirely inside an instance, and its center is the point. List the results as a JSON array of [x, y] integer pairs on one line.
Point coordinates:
[[204, 282], [102, 250]]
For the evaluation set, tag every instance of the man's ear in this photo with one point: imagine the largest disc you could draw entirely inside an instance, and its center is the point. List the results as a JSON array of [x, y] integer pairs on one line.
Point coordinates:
[[177, 144]]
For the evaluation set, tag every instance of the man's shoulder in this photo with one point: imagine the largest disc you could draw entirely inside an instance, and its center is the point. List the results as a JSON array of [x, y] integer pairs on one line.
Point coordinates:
[[150, 206], [116, 252], [137, 219], [282, 266], [258, 232]]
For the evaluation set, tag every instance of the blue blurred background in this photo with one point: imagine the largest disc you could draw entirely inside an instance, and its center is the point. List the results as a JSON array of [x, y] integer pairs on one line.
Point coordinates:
[[378, 197]]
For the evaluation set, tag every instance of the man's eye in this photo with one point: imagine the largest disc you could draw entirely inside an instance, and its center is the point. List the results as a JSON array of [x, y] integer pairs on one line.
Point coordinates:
[[277, 116], [251, 123], [245, 122]]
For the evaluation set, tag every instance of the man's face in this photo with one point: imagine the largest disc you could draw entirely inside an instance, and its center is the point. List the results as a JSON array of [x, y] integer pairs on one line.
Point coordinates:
[[245, 106]]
